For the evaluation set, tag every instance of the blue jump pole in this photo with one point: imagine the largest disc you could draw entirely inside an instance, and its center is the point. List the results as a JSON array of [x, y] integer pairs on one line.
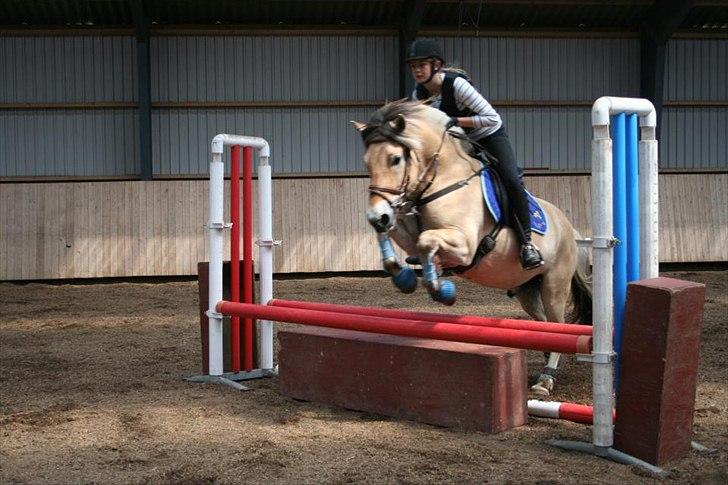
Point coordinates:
[[619, 207], [633, 201]]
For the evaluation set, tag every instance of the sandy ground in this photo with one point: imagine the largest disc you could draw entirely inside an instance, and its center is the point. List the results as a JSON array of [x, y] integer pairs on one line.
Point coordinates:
[[92, 391]]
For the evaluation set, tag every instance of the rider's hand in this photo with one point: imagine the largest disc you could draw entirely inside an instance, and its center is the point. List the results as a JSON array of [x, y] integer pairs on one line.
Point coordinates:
[[453, 122]]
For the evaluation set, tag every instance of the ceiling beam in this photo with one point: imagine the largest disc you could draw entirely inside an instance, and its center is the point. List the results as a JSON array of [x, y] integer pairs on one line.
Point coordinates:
[[414, 11], [663, 18], [142, 23]]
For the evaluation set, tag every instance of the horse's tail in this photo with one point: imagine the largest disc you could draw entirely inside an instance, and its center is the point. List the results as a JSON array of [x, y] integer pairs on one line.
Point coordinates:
[[581, 292]]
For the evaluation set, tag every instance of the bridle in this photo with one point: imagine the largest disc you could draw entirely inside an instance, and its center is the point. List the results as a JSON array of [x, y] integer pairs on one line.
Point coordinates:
[[403, 201]]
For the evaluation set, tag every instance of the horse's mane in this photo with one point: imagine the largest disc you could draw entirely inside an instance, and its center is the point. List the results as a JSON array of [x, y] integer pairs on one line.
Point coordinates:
[[382, 125]]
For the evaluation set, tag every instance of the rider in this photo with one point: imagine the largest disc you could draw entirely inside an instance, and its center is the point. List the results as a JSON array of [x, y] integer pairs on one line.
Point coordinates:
[[452, 93]]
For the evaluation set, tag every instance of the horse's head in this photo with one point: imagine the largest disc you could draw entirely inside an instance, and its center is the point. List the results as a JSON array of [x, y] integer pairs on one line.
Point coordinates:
[[401, 140]]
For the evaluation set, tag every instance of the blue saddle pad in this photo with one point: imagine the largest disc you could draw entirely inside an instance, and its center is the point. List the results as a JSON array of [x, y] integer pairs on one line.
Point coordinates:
[[539, 224]]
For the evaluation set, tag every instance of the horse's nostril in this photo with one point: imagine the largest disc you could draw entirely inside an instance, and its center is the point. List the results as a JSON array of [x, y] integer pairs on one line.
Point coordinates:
[[384, 220]]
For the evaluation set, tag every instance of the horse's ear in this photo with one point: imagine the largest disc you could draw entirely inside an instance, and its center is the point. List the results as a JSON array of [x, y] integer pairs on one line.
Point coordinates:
[[359, 126], [398, 123]]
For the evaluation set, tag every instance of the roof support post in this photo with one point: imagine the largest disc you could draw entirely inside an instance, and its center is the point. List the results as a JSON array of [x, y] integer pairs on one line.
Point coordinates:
[[413, 11], [663, 18], [144, 87]]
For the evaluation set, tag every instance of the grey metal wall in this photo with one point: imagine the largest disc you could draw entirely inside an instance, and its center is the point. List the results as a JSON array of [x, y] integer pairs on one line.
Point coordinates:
[[696, 137], [68, 142], [542, 69], [257, 68], [268, 69], [300, 69], [302, 139]]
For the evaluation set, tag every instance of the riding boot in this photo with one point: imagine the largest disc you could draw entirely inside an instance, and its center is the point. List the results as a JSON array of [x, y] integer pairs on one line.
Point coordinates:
[[530, 256]]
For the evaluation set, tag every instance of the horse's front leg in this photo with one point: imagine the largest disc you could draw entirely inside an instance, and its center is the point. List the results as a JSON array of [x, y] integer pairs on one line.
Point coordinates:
[[452, 248], [383, 219], [403, 276]]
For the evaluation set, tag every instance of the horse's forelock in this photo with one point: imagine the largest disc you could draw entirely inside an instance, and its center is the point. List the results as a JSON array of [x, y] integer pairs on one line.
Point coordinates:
[[379, 128]]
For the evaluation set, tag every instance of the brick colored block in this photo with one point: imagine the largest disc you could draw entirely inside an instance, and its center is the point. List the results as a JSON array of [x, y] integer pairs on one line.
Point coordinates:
[[442, 383], [660, 354]]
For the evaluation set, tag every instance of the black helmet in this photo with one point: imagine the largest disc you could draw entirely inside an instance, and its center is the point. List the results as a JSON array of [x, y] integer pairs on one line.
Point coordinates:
[[424, 49]]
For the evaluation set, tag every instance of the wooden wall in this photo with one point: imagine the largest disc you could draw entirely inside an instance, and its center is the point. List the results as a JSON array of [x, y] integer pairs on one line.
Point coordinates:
[[104, 229]]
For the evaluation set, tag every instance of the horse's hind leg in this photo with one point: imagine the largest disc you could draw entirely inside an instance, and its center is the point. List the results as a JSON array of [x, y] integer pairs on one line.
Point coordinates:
[[529, 296], [554, 297]]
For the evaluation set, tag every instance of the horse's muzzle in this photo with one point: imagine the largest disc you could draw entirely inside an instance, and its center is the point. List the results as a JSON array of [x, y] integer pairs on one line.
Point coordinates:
[[381, 217]]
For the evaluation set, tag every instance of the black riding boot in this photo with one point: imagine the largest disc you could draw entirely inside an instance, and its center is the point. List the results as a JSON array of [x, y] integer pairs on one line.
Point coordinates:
[[530, 257], [500, 148]]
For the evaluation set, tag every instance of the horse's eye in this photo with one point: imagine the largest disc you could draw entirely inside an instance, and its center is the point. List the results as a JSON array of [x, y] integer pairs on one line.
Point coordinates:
[[394, 161]]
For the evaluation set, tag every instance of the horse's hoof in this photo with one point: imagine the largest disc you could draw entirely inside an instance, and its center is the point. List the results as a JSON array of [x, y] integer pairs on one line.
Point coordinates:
[[446, 294], [543, 387], [406, 280], [539, 390]]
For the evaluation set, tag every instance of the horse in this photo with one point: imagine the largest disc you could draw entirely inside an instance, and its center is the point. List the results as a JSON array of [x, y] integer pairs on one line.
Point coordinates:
[[426, 196]]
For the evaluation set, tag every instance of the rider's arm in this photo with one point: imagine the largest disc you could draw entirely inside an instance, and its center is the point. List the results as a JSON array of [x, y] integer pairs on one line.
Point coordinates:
[[467, 96]]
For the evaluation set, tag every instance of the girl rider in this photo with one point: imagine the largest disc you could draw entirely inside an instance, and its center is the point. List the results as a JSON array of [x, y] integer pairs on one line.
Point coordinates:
[[453, 94]]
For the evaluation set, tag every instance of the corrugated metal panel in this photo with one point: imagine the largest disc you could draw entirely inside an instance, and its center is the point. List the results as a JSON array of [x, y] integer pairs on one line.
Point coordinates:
[[322, 140], [302, 140], [696, 70], [694, 138], [547, 69], [67, 69], [550, 138], [68, 143], [273, 68]]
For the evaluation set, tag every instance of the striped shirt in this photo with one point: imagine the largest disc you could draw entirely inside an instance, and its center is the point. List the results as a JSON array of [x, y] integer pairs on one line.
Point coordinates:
[[485, 118]]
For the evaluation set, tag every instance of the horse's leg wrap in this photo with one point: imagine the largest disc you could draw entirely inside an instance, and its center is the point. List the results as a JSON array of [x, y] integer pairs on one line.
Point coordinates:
[[440, 291], [403, 277], [549, 372]]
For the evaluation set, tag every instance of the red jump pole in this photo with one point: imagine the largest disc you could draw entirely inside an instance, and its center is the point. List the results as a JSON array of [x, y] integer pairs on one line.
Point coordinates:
[[504, 337], [565, 328], [235, 254], [248, 254]]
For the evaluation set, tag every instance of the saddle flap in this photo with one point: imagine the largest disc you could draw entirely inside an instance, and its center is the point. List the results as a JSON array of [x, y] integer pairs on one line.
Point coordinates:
[[496, 200]]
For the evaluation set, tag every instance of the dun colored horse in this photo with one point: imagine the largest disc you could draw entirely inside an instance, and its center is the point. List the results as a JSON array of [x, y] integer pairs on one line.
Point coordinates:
[[426, 195]]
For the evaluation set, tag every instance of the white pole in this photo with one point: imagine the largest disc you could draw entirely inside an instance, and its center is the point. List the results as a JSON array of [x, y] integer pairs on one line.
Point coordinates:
[[215, 226], [603, 305], [649, 205], [265, 208]]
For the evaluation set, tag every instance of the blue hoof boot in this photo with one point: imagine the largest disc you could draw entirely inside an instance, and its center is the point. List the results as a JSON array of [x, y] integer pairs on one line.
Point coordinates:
[[446, 294], [406, 280]]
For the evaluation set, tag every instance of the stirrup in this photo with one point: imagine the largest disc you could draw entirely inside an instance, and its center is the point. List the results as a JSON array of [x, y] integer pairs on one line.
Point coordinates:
[[533, 263]]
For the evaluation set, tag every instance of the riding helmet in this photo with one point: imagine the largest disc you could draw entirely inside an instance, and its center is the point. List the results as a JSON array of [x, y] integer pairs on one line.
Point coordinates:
[[424, 49]]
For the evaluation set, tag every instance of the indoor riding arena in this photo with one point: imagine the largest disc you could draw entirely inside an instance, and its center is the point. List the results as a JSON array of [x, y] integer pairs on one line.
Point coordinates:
[[209, 274]]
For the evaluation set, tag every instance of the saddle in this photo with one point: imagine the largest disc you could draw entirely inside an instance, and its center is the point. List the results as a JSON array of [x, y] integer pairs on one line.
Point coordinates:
[[498, 204]]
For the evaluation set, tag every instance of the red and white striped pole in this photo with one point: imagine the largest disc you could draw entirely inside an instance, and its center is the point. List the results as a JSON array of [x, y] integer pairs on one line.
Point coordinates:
[[578, 413]]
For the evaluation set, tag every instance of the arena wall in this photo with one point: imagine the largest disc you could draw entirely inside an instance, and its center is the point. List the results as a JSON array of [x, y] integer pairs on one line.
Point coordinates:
[[131, 228]]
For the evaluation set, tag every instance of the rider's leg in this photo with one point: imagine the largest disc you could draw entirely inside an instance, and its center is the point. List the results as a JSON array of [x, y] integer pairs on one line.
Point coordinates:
[[500, 147]]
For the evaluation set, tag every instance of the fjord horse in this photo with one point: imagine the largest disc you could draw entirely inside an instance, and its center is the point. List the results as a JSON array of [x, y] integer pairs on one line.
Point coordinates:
[[426, 195]]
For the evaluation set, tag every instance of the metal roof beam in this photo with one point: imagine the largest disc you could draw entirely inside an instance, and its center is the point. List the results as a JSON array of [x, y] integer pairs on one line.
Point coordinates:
[[144, 86], [663, 18], [414, 11]]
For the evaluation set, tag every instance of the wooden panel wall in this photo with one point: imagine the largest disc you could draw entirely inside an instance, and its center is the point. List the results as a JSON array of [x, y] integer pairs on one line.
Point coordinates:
[[104, 229]]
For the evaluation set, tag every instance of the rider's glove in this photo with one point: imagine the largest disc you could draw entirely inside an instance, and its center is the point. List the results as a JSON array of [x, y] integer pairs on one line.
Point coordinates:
[[453, 122]]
